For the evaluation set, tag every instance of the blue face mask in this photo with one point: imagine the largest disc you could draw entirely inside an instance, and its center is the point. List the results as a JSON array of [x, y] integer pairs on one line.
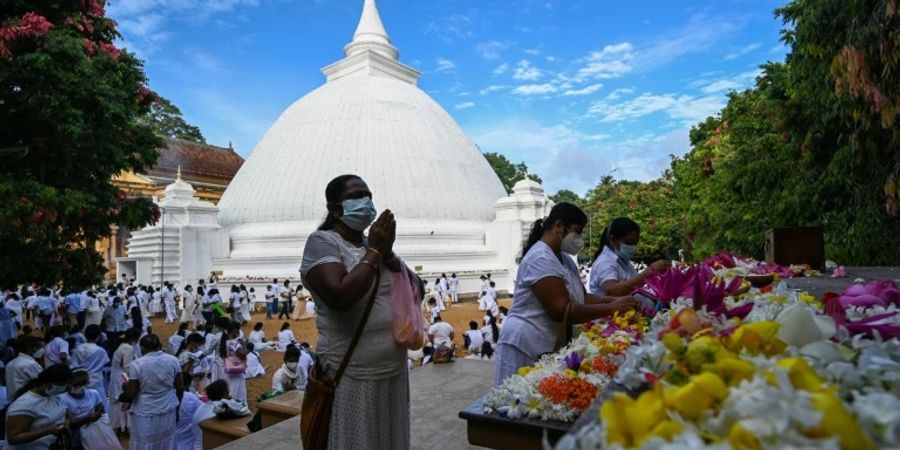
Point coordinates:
[[359, 213], [626, 252]]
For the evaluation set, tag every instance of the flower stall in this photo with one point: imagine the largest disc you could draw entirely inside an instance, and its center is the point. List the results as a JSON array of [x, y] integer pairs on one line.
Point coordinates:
[[720, 363]]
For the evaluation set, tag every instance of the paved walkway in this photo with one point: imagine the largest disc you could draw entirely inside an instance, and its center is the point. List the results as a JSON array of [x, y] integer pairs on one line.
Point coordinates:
[[437, 393], [819, 285]]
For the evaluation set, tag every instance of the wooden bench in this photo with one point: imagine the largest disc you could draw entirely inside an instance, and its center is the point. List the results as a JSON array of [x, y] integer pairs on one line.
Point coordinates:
[[218, 432], [281, 408]]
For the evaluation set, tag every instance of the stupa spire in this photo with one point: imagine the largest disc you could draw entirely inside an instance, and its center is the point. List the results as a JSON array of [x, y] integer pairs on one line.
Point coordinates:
[[370, 34]]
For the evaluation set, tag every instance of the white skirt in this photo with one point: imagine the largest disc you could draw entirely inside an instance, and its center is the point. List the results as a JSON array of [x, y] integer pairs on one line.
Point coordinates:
[[152, 432]]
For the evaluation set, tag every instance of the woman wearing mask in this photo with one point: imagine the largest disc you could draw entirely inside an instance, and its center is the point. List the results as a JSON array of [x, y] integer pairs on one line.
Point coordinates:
[[37, 418], [193, 361], [287, 377], [612, 272], [121, 362], [83, 405], [547, 285], [342, 268], [188, 302], [154, 390]]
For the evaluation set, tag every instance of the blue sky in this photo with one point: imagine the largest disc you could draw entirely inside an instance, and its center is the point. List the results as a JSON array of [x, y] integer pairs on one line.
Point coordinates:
[[577, 89]]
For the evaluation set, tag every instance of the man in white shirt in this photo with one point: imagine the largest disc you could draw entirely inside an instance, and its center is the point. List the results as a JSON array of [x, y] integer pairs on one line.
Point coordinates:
[[441, 333], [474, 338]]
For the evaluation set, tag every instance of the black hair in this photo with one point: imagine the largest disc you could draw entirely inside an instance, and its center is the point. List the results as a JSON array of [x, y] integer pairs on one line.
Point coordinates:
[[136, 320], [333, 192], [132, 334], [564, 213], [182, 329], [495, 330], [234, 288], [193, 337], [618, 228], [217, 390], [291, 352], [258, 326], [285, 326], [223, 347], [473, 325], [55, 374], [92, 332], [437, 318], [151, 342]]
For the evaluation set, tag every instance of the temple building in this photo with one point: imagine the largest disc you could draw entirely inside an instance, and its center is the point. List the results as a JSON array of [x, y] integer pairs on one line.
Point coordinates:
[[371, 119], [208, 168]]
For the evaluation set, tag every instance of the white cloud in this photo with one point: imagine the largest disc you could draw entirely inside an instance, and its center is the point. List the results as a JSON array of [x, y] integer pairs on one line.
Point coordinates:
[[491, 49], [618, 93], [722, 85], [464, 105], [452, 27], [501, 69], [535, 89], [525, 71], [532, 51], [587, 90], [444, 65], [612, 61], [742, 51], [464, 94], [493, 88], [685, 109]]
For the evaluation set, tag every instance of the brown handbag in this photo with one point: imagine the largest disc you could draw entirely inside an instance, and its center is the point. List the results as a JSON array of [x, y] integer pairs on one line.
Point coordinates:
[[315, 415]]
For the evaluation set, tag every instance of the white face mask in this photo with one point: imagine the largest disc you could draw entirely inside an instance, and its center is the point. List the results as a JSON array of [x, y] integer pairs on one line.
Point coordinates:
[[56, 390], [573, 243], [39, 353], [291, 365]]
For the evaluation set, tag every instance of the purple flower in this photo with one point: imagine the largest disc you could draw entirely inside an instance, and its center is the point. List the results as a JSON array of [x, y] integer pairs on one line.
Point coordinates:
[[573, 361]]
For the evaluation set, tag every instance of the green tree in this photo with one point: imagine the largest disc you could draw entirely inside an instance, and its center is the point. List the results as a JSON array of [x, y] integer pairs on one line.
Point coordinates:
[[70, 105], [509, 173], [565, 195], [166, 120]]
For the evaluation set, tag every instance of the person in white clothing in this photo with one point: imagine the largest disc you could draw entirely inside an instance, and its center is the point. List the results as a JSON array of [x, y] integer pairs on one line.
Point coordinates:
[[445, 288], [310, 307], [184, 428], [93, 359], [612, 272], [37, 418], [188, 302], [23, 368], [154, 390], [441, 333], [84, 405], [168, 297], [285, 337], [216, 391], [454, 288], [491, 334], [57, 350], [15, 305], [433, 309], [255, 369], [474, 340], [439, 294], [121, 362], [290, 375], [232, 348], [306, 361], [176, 339]]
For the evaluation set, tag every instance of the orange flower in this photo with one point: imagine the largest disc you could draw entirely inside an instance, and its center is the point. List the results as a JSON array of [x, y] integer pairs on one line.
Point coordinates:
[[576, 393], [605, 366]]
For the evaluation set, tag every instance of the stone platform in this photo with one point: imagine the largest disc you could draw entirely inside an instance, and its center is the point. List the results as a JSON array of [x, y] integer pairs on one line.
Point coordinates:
[[437, 394], [819, 285]]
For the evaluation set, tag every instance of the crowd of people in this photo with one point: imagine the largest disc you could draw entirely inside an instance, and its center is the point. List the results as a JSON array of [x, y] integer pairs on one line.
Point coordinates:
[[87, 364]]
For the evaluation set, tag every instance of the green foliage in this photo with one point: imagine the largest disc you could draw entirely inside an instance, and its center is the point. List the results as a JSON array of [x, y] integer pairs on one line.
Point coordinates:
[[650, 204], [70, 104], [166, 120], [566, 196], [509, 173], [815, 142]]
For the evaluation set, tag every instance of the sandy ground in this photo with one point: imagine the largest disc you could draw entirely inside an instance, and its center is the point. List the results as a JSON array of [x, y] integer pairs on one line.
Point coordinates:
[[304, 330]]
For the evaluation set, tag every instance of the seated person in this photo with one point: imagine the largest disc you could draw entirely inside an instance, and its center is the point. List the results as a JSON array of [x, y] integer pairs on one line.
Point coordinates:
[[217, 390], [441, 335], [255, 369], [473, 338], [289, 377]]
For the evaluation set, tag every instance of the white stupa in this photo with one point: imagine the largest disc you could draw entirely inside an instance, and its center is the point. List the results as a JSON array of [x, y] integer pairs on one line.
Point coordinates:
[[371, 119]]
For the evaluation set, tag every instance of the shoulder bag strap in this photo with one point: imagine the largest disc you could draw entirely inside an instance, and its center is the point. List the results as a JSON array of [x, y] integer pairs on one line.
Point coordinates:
[[564, 330], [359, 329]]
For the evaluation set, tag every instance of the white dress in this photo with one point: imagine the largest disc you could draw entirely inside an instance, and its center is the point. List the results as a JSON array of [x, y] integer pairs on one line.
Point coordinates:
[[285, 338], [377, 378], [187, 312], [121, 361], [245, 307], [237, 382]]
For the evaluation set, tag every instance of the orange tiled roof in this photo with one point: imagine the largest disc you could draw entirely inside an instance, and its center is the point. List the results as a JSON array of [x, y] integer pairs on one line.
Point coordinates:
[[198, 159]]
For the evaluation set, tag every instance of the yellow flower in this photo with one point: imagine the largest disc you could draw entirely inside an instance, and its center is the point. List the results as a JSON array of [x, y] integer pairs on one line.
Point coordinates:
[[571, 373], [757, 336], [525, 370], [812, 300], [733, 370], [838, 422], [741, 439], [802, 375], [702, 392], [673, 342], [630, 422]]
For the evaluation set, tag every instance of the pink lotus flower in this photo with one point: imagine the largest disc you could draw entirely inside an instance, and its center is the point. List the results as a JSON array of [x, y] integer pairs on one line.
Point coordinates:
[[875, 293], [835, 309], [839, 272], [670, 285]]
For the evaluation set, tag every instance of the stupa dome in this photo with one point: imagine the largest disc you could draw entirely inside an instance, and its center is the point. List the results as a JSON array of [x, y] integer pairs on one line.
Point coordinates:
[[372, 120]]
